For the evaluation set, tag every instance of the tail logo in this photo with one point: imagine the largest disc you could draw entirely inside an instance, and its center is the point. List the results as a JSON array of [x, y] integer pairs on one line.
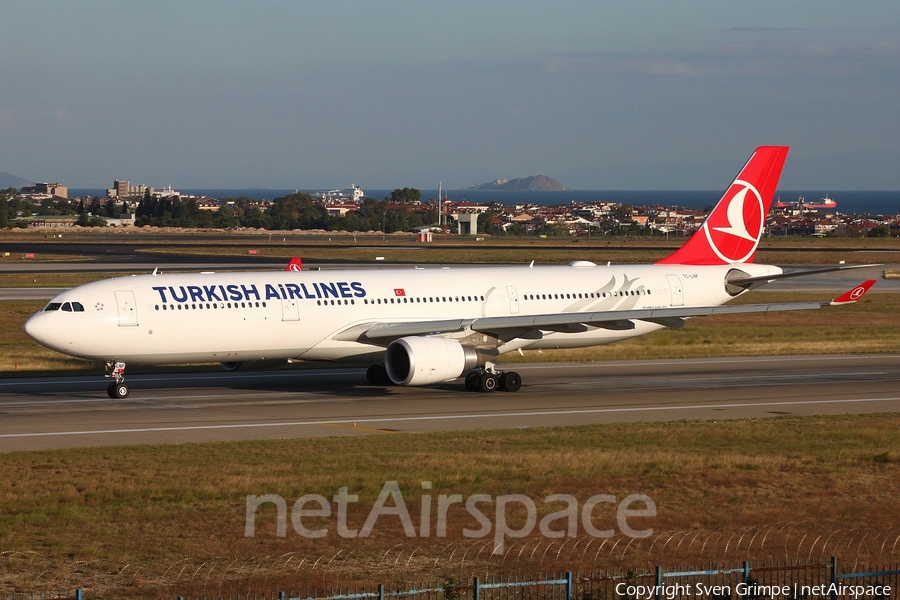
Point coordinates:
[[294, 267], [857, 293], [735, 227]]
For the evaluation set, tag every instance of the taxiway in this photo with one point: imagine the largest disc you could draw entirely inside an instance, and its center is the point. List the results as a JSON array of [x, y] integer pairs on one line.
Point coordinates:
[[193, 407]]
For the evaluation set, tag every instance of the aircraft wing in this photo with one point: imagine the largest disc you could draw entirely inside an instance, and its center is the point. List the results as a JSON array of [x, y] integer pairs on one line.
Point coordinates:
[[516, 326]]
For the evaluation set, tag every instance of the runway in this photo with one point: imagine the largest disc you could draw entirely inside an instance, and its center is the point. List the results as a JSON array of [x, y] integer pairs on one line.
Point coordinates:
[[184, 407]]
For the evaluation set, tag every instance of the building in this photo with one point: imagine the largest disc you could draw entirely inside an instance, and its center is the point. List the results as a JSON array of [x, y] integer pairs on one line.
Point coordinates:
[[124, 189], [50, 189]]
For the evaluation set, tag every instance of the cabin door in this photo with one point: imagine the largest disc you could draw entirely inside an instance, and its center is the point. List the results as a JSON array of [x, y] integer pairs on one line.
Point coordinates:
[[128, 316]]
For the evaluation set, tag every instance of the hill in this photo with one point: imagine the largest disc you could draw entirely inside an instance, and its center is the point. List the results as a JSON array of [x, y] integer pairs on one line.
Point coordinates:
[[534, 183], [8, 180]]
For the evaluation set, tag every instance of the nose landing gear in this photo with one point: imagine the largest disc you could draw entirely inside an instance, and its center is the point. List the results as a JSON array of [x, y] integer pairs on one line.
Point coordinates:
[[118, 389]]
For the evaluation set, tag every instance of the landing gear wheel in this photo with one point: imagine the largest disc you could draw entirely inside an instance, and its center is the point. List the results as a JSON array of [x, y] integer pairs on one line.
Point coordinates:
[[117, 390], [488, 382], [510, 381], [472, 381], [377, 375], [115, 370]]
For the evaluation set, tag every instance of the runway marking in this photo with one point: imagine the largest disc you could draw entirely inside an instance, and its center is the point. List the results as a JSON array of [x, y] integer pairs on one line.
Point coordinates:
[[355, 427], [450, 417], [703, 361], [163, 401]]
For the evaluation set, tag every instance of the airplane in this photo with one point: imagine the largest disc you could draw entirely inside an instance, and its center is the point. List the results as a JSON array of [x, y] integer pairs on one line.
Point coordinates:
[[424, 326]]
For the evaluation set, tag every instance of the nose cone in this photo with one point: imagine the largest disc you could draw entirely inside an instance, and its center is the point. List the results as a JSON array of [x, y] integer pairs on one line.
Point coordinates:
[[40, 328]]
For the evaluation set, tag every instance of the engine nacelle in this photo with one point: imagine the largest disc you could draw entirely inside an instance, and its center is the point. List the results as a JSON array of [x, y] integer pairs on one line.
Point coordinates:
[[424, 360]]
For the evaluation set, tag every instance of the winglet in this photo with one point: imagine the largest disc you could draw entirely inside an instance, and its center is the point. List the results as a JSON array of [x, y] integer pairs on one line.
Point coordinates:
[[296, 264], [854, 294]]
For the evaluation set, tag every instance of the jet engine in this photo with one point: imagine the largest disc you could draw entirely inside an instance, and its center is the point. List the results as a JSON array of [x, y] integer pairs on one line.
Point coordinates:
[[424, 360]]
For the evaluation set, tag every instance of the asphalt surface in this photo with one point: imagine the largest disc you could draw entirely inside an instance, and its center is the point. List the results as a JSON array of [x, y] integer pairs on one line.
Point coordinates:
[[171, 408]]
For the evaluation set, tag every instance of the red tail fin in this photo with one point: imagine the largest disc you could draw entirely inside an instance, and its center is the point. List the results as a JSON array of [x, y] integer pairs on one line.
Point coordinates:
[[731, 232], [295, 265]]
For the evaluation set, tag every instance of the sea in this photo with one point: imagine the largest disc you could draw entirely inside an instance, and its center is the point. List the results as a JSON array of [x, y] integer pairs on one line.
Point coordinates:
[[848, 202]]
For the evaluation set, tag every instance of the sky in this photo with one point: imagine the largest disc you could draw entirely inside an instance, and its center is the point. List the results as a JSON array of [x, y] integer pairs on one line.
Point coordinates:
[[639, 94]]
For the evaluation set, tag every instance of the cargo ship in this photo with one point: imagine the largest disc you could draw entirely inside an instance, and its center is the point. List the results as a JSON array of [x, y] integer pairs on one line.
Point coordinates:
[[823, 204]]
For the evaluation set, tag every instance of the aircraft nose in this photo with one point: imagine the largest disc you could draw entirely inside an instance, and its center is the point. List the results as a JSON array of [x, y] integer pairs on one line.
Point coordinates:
[[38, 328]]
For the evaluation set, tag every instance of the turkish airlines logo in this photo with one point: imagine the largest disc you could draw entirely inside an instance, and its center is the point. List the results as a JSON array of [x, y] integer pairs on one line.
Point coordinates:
[[294, 267], [857, 293], [733, 229]]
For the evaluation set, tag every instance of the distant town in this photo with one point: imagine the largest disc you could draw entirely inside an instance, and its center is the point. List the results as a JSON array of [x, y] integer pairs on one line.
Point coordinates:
[[48, 205]]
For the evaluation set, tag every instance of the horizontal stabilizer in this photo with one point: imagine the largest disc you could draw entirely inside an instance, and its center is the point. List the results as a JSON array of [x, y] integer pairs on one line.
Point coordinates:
[[775, 276]]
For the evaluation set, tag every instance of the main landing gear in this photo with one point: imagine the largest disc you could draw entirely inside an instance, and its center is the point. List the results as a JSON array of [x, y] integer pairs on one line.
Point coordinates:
[[377, 375], [118, 388], [489, 381], [479, 380]]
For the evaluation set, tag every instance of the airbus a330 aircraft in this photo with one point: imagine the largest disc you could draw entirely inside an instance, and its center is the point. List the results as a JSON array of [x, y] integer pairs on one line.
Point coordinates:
[[423, 326]]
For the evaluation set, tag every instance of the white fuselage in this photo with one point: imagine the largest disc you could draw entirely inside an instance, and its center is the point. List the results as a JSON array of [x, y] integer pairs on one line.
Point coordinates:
[[232, 317]]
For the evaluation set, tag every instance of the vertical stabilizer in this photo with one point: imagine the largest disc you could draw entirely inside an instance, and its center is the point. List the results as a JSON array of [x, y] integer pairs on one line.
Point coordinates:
[[731, 232]]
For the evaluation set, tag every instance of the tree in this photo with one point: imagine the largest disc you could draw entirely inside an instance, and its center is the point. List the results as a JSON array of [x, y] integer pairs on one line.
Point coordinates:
[[224, 217], [406, 196], [297, 211], [486, 222], [4, 213], [516, 229], [85, 220]]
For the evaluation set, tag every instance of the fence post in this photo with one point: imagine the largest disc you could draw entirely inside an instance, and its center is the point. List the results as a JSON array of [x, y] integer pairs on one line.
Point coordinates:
[[656, 593], [475, 590], [380, 591], [568, 585], [746, 594], [834, 577]]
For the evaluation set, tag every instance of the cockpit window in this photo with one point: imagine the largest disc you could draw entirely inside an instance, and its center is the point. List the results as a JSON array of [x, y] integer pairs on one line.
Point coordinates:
[[65, 306]]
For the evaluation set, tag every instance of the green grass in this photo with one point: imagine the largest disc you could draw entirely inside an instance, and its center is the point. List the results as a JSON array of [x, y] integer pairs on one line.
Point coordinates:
[[150, 507]]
